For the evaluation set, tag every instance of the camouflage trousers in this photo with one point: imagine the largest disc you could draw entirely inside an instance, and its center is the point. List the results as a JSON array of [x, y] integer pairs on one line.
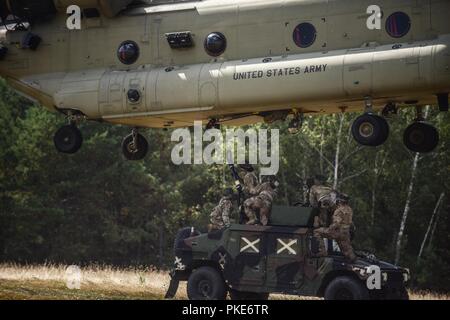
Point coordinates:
[[342, 236], [258, 205], [216, 222]]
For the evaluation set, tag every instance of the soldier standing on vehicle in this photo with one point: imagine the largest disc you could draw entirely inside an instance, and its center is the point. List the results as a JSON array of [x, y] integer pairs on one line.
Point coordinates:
[[220, 216], [339, 229], [319, 198], [250, 184]]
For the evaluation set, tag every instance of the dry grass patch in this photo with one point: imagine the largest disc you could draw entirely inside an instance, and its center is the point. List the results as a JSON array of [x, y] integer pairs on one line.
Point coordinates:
[[105, 282]]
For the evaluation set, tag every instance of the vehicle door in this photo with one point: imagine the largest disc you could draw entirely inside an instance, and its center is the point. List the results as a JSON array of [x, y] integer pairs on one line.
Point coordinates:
[[250, 261], [285, 260]]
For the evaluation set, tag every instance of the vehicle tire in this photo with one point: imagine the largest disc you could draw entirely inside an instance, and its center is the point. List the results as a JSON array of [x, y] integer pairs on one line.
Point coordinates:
[[346, 288], [206, 283], [181, 235], [135, 153], [370, 130], [242, 295], [421, 137], [68, 139], [401, 294]]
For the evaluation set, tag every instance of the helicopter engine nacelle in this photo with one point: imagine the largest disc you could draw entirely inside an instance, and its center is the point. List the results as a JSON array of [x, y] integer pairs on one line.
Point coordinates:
[[108, 8]]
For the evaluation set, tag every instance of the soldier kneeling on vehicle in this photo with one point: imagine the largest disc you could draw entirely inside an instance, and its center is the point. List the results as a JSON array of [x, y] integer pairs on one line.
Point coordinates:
[[220, 216], [340, 227], [258, 208]]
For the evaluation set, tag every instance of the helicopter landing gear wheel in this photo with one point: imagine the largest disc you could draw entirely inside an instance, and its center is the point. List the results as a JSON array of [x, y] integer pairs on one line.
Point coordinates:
[[68, 139], [421, 137], [370, 130], [135, 146]]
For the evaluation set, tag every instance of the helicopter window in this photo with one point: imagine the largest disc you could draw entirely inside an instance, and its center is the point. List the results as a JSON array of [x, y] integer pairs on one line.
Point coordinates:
[[128, 52], [304, 35], [134, 96], [398, 24], [215, 44]]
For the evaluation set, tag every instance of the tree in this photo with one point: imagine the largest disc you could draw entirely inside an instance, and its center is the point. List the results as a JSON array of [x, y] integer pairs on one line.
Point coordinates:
[[96, 207]]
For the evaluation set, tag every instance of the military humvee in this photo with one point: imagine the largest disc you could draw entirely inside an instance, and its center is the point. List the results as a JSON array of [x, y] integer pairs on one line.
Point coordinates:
[[250, 262]]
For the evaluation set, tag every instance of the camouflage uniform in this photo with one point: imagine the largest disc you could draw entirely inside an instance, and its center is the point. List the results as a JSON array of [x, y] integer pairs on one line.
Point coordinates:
[[220, 216], [339, 230], [319, 197], [261, 203], [250, 184]]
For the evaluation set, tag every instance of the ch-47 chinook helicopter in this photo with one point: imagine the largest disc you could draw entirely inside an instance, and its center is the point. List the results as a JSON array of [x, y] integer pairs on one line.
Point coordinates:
[[165, 63]]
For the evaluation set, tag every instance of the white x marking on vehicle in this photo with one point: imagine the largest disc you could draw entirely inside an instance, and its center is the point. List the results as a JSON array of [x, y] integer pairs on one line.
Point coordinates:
[[222, 259], [178, 264], [287, 246], [250, 245]]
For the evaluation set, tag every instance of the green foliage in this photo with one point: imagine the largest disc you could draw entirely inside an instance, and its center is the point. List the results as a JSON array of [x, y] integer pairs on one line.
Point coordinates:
[[96, 207]]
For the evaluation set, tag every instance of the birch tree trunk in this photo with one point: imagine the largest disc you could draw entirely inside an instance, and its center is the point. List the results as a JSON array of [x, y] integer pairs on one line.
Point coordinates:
[[321, 151], [434, 225], [398, 246], [377, 171], [338, 151], [432, 219]]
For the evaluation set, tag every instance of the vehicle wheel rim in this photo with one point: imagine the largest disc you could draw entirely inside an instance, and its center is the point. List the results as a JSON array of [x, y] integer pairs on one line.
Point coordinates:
[[366, 129], [131, 148], [67, 140], [204, 287], [344, 294], [417, 137]]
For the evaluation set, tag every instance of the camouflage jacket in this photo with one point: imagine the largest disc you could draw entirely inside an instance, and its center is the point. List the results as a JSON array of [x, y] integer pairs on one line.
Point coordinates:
[[318, 195], [222, 212], [251, 184]]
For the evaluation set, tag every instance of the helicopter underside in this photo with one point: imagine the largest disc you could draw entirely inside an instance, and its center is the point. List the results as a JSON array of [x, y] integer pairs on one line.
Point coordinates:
[[254, 115]]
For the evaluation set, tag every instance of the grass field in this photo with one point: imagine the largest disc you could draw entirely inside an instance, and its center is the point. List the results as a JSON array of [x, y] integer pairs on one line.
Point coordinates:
[[48, 282]]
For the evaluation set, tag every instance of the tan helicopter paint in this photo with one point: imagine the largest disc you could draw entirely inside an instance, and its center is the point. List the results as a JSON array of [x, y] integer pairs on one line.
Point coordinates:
[[80, 69]]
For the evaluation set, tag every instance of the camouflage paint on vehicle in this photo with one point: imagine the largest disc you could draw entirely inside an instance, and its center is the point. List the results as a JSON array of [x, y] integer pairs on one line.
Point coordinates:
[[276, 258]]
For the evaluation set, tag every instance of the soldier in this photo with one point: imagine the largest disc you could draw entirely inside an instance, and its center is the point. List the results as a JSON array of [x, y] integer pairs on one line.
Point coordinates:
[[319, 198], [339, 229], [250, 180], [261, 203], [220, 216]]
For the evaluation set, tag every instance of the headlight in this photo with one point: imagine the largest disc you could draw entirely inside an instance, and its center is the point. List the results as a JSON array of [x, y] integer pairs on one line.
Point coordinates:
[[361, 271], [385, 276], [406, 276]]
